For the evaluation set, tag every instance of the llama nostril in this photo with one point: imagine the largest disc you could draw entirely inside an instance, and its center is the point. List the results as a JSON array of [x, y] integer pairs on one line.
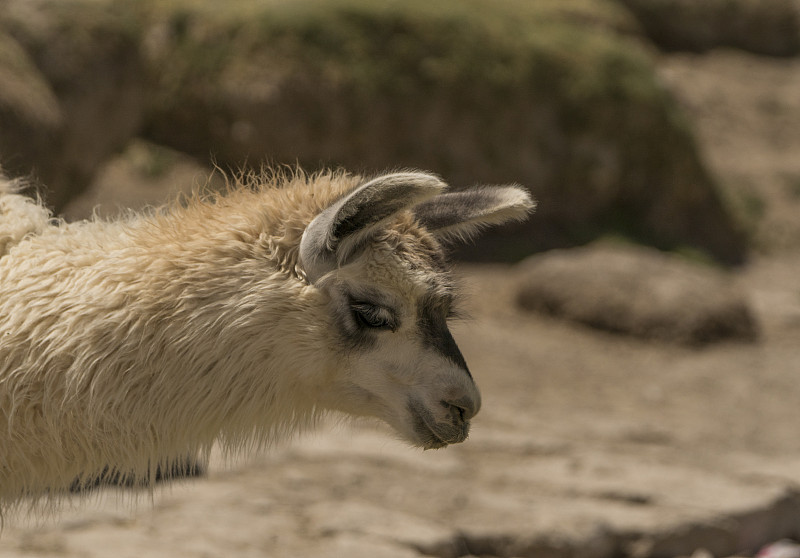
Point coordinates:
[[461, 409]]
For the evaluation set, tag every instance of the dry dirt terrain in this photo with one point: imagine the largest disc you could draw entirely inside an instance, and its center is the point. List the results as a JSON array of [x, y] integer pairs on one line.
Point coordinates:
[[588, 445]]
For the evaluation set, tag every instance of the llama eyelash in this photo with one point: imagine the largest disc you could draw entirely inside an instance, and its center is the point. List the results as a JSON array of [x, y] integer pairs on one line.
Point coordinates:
[[374, 316]]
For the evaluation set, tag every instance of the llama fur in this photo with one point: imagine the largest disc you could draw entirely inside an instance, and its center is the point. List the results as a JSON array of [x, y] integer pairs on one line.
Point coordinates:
[[129, 344]]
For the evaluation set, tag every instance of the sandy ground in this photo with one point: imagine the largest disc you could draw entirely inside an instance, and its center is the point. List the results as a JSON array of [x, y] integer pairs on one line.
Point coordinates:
[[588, 445]]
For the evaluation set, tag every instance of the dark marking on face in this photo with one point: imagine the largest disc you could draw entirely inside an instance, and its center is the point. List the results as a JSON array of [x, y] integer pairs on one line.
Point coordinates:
[[352, 336], [432, 322], [361, 313]]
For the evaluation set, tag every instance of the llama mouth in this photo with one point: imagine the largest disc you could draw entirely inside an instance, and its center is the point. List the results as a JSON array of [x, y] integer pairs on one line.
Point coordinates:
[[428, 437], [431, 434]]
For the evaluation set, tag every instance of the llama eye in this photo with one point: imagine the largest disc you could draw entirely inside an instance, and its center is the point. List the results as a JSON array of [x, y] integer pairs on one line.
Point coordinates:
[[373, 317]]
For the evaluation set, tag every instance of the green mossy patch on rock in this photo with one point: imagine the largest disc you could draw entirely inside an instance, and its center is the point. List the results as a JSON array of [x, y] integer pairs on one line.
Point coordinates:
[[560, 96]]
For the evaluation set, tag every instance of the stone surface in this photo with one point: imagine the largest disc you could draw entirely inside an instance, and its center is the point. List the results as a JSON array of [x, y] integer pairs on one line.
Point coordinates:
[[647, 446], [587, 445], [767, 28], [639, 292], [88, 81], [561, 96]]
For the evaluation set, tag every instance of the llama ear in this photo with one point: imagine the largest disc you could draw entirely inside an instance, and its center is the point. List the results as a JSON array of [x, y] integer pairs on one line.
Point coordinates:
[[359, 213], [461, 215]]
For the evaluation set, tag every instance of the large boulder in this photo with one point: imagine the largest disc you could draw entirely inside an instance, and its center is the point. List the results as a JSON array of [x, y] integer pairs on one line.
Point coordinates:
[[25, 94], [638, 292], [143, 175], [29, 110], [82, 86], [558, 95]]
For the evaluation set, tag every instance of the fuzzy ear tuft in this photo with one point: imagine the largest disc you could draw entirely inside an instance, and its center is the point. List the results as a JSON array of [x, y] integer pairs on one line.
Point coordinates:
[[360, 212], [461, 215]]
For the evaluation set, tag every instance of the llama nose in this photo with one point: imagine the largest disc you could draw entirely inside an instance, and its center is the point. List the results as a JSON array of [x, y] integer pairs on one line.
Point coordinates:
[[463, 408]]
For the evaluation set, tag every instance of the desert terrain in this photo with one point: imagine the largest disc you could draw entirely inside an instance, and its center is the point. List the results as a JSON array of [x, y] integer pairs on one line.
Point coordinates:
[[589, 444]]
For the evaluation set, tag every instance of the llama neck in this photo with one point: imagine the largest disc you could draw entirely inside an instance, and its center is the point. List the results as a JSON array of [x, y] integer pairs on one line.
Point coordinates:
[[213, 329], [129, 349]]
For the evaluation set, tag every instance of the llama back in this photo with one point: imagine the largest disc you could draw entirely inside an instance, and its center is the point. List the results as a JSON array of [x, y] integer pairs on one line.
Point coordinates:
[[20, 216]]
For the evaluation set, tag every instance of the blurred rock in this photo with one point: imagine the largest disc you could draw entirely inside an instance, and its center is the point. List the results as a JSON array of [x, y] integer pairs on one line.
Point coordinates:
[[25, 95], [637, 292], [746, 109], [578, 542], [559, 95], [548, 94], [763, 27], [29, 110], [86, 85], [142, 175], [345, 517]]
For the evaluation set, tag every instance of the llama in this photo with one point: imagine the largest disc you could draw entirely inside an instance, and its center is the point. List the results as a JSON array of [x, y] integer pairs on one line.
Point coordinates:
[[238, 318]]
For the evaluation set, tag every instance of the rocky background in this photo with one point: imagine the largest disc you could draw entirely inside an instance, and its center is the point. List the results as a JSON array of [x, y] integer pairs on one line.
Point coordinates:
[[635, 341]]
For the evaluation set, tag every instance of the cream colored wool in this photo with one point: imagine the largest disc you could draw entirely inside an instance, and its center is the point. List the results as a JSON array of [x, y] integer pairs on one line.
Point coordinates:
[[19, 216], [141, 341], [135, 343]]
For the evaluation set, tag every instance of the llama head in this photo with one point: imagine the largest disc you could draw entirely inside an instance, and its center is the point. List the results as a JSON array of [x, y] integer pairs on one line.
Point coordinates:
[[377, 255]]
